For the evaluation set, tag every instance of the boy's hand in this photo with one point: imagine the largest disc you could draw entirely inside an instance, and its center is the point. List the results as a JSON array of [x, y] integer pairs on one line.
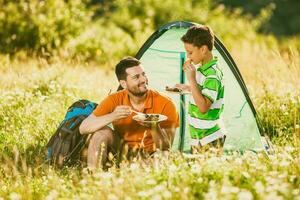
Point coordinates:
[[189, 70], [187, 63], [183, 87]]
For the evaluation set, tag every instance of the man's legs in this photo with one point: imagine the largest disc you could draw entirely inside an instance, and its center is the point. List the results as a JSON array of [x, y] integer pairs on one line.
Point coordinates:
[[99, 145]]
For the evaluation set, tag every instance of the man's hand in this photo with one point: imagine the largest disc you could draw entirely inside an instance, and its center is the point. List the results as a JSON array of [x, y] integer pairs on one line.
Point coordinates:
[[189, 70], [121, 112]]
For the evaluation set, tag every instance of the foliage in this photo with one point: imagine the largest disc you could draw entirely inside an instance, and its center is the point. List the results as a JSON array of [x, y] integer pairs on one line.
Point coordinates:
[[107, 31], [284, 19], [279, 116], [40, 27]]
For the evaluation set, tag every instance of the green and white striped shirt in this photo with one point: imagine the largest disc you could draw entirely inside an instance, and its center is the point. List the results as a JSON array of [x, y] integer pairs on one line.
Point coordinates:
[[205, 128]]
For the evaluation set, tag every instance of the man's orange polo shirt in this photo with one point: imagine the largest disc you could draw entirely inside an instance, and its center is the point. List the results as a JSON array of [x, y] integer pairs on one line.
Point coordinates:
[[132, 132]]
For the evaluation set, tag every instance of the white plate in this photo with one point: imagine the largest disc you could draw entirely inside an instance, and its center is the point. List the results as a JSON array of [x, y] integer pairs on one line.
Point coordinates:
[[142, 118], [178, 92], [181, 92]]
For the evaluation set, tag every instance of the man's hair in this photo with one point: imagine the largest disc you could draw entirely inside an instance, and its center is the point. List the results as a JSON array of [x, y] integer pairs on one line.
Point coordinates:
[[199, 35], [124, 64]]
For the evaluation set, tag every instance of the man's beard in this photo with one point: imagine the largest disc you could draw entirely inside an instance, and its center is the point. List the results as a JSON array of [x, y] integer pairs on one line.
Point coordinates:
[[138, 93]]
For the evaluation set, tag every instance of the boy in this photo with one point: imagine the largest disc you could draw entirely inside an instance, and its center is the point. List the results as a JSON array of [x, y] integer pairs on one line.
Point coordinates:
[[206, 87]]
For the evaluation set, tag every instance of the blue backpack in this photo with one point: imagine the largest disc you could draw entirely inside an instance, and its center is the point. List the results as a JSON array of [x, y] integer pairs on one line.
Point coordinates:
[[66, 144]]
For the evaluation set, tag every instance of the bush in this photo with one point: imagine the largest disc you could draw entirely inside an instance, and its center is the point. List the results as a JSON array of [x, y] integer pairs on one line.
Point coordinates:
[[40, 26]]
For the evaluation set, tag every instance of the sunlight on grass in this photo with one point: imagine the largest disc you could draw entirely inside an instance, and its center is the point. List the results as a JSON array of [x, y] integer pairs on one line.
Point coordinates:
[[34, 95]]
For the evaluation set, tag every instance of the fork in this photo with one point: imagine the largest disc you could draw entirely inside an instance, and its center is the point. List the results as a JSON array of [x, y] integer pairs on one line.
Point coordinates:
[[138, 113]]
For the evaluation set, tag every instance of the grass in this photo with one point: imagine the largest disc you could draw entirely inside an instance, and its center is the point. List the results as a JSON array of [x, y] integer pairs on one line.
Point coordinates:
[[34, 95]]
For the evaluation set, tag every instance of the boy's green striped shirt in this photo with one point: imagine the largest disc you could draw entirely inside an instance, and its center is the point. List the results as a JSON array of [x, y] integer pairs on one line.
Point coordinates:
[[210, 81]]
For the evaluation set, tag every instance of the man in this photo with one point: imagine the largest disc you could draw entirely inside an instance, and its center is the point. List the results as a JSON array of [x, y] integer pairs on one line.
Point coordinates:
[[117, 109], [206, 85]]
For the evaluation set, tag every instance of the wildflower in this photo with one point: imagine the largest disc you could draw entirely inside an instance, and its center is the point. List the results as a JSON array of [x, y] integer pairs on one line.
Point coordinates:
[[245, 195], [14, 196], [246, 175], [159, 188], [112, 197], [156, 197], [167, 194], [296, 192], [151, 182], [172, 169], [107, 175], [228, 189], [211, 194], [186, 190], [120, 181], [259, 187], [52, 195], [134, 166], [83, 182], [272, 196], [196, 168]]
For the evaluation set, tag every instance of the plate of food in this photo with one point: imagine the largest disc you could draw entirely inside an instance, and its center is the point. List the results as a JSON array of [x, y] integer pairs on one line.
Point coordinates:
[[149, 118], [176, 90]]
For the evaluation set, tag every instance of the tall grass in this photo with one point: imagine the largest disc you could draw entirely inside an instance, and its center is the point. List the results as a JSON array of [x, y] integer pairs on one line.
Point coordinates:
[[35, 94]]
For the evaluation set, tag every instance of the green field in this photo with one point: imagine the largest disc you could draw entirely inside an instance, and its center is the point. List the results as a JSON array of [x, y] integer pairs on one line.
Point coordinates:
[[35, 95], [39, 82]]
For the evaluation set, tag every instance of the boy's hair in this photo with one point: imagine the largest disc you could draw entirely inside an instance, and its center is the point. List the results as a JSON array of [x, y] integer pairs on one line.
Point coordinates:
[[199, 35], [124, 64]]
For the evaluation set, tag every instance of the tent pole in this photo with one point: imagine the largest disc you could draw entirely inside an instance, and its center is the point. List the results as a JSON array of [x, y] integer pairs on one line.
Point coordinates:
[[182, 105]]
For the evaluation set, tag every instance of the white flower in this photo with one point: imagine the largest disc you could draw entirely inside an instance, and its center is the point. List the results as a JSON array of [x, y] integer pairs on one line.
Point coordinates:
[[52, 195], [134, 166], [186, 190], [228, 189], [259, 187], [83, 182], [246, 175], [172, 169], [112, 197], [156, 197], [272, 196], [151, 182], [167, 194], [245, 195], [14, 196], [195, 168]]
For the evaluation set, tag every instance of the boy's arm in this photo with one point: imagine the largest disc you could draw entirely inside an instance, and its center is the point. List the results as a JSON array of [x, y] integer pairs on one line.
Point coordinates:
[[201, 101]]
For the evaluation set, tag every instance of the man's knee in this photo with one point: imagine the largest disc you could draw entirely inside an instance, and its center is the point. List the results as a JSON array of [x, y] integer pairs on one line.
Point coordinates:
[[104, 135]]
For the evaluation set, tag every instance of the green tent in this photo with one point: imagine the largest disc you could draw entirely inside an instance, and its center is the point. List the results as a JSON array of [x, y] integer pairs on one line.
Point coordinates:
[[162, 56]]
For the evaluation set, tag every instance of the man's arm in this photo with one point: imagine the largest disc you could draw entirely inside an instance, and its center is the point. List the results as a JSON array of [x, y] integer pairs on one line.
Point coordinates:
[[163, 137], [93, 123]]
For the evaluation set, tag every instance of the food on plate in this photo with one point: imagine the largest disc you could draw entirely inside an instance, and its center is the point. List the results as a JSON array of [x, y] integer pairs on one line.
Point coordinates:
[[151, 117], [173, 89]]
